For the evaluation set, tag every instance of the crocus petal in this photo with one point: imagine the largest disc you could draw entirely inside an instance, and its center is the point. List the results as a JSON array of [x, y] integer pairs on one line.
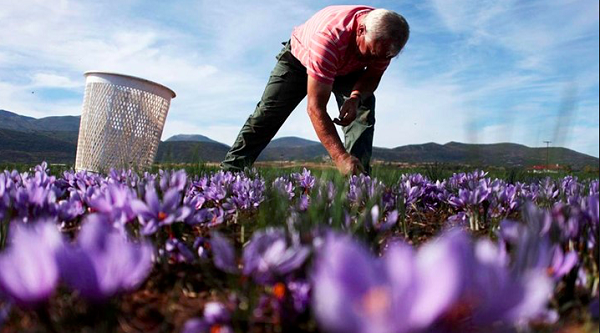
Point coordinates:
[[223, 253], [77, 270], [294, 259], [28, 269], [537, 293], [344, 274], [152, 200], [441, 269], [566, 265], [103, 262], [171, 199], [140, 208], [138, 265]]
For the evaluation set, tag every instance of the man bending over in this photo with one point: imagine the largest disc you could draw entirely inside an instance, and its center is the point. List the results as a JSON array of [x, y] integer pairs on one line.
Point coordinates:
[[341, 49]]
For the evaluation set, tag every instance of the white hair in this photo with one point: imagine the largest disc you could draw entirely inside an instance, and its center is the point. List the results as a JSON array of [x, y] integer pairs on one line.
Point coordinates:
[[389, 26]]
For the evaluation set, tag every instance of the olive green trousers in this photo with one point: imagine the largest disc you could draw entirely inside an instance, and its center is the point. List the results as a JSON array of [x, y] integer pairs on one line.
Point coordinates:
[[284, 91]]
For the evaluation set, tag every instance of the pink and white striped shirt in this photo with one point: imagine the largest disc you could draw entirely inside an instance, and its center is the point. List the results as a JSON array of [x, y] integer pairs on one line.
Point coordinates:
[[321, 42]]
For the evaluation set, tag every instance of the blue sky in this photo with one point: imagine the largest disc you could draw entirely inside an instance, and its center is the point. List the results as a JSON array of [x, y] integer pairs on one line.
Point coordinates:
[[478, 71]]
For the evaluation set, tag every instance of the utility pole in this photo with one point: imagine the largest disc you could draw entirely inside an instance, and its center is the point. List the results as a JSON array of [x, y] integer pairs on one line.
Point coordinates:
[[547, 155]]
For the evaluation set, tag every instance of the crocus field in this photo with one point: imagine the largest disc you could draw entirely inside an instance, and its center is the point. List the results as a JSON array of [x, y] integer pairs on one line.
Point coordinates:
[[220, 252]]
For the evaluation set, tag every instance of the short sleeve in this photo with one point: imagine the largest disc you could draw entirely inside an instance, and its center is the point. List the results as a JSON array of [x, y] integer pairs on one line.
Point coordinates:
[[323, 58]]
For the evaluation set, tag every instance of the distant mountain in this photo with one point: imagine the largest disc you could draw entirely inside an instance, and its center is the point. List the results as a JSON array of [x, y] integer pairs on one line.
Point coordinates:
[[35, 147], [294, 153], [54, 139], [190, 138], [292, 141], [190, 152], [497, 154], [12, 121]]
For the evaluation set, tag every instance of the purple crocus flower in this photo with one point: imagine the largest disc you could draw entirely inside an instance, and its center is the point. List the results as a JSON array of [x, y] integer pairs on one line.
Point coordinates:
[[28, 270], [125, 177], [113, 200], [303, 202], [379, 222], [305, 180], [216, 188], [102, 262], [222, 195], [80, 182], [268, 255], [411, 190], [362, 188], [284, 187], [547, 191], [594, 187], [593, 206], [468, 198], [172, 180], [6, 185], [34, 201], [466, 180], [154, 214], [247, 193], [561, 263], [72, 208], [216, 319], [508, 197]]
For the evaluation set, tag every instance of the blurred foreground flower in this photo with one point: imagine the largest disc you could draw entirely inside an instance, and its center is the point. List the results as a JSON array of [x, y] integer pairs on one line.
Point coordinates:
[[102, 262], [28, 270], [449, 285]]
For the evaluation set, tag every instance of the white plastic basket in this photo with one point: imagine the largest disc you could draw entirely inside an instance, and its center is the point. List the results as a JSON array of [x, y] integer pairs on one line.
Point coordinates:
[[121, 123]]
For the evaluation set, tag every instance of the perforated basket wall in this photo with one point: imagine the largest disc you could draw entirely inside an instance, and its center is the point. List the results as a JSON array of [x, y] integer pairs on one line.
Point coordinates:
[[121, 123]]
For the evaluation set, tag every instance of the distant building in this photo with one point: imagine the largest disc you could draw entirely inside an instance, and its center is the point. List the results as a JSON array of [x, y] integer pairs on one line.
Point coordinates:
[[552, 168]]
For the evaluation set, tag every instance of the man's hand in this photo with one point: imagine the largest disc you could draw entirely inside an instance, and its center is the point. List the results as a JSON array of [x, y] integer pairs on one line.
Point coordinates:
[[348, 111], [349, 165]]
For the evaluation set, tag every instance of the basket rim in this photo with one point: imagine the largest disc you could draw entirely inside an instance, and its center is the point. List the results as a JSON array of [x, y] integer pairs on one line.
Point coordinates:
[[85, 74]]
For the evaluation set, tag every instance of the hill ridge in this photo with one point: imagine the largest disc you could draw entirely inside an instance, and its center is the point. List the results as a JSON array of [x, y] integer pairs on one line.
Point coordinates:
[[30, 140]]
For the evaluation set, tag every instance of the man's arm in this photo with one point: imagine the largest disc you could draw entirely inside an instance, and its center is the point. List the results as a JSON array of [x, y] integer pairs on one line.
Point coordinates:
[[318, 95]]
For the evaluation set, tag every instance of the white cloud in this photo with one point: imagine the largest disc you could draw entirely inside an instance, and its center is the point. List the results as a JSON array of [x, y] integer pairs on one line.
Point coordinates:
[[52, 80], [23, 101]]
